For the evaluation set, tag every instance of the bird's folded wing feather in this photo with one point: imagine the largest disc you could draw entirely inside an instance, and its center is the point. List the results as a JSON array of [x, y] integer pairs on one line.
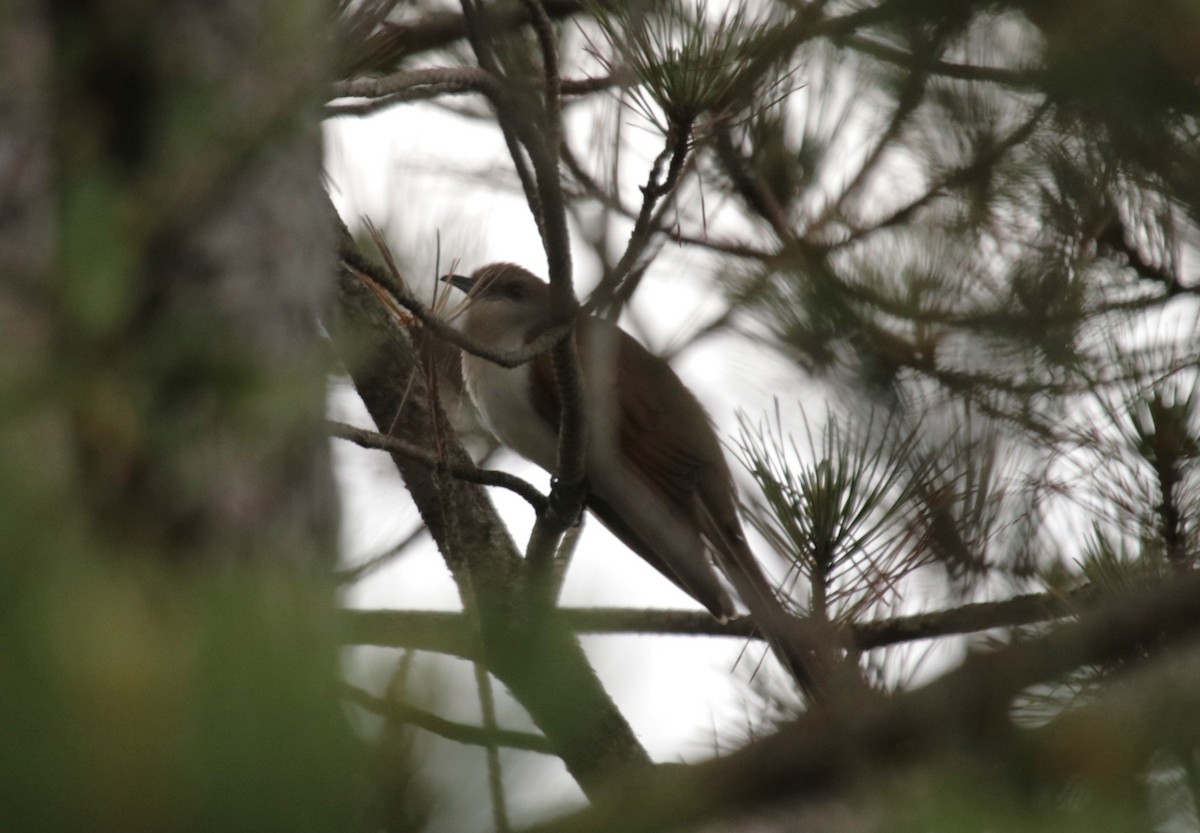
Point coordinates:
[[662, 434], [659, 433]]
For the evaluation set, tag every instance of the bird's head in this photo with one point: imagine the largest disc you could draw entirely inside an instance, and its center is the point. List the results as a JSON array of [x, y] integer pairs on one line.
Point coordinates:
[[506, 302]]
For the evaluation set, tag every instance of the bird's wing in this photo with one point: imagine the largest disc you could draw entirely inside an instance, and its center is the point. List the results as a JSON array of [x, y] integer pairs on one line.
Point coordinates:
[[682, 491], [663, 429], [644, 459]]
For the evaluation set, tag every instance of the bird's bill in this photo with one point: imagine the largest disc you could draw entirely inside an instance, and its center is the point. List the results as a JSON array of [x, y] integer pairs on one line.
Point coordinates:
[[461, 282]]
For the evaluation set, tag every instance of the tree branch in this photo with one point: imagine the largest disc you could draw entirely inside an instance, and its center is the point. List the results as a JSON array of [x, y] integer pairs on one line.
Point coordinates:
[[829, 752], [409, 85], [352, 573], [591, 188], [440, 632], [423, 84], [953, 178], [539, 131], [401, 712], [466, 78], [673, 155], [446, 632], [1016, 78], [1027, 609], [383, 50], [471, 473]]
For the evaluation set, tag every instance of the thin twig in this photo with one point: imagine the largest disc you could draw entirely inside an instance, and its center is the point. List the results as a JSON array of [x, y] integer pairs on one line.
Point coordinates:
[[438, 631], [401, 712], [367, 108], [472, 474], [586, 86], [673, 155], [758, 198], [349, 575], [612, 201], [970, 618], [1017, 78], [953, 178], [510, 127], [398, 291], [487, 706], [375, 105]]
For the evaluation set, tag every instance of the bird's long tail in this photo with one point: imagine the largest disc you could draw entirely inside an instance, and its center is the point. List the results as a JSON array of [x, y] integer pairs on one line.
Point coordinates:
[[808, 650]]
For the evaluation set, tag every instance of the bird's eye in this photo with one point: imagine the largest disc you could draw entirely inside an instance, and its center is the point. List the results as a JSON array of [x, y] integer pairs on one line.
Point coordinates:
[[514, 291]]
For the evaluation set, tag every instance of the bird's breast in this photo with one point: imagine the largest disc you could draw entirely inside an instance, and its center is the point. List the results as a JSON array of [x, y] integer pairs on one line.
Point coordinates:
[[501, 395]]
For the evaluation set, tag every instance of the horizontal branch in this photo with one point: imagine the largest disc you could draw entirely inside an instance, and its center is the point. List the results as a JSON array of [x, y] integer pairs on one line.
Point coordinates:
[[374, 105], [1027, 609], [970, 618], [447, 632], [585, 86], [401, 712], [426, 91], [825, 754], [464, 78], [393, 42], [472, 474], [437, 631], [1016, 78]]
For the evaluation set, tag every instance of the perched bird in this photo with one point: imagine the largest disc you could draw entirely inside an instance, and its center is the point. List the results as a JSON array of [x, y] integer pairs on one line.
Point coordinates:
[[656, 475]]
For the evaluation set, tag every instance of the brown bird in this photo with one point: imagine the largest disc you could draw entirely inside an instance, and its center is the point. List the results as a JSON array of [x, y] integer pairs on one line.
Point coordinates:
[[656, 475]]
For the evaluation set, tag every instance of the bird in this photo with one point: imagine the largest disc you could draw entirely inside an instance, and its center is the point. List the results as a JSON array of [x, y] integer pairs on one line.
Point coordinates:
[[655, 473]]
